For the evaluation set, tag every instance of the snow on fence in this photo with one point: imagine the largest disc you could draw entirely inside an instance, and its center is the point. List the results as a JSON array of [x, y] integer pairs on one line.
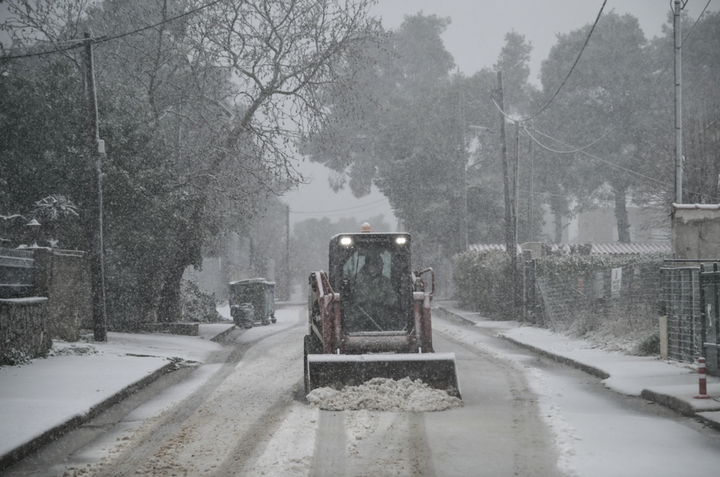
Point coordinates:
[[618, 300]]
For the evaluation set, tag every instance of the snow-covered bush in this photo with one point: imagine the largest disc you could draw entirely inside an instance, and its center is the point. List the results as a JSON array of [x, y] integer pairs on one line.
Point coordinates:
[[198, 306], [14, 357], [483, 282]]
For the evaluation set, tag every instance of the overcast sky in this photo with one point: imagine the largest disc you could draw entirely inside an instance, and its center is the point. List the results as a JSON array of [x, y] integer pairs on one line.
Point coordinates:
[[474, 38]]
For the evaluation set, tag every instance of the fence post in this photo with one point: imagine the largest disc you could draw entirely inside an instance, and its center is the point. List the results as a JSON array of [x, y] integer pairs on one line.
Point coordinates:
[[664, 350], [529, 290]]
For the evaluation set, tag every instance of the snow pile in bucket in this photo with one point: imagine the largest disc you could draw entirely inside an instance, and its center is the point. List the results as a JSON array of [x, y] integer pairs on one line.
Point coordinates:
[[383, 394]]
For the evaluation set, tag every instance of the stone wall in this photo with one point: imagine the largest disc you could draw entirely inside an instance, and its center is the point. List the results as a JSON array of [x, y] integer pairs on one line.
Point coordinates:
[[64, 278], [24, 331], [58, 305]]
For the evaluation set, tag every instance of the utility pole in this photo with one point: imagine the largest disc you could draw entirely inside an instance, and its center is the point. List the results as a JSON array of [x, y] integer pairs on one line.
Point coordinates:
[[531, 196], [678, 102], [97, 267], [462, 149], [288, 282], [506, 176], [516, 188], [510, 203]]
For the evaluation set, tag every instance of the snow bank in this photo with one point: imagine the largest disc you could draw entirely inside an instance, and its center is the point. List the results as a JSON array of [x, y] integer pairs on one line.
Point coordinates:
[[383, 394]]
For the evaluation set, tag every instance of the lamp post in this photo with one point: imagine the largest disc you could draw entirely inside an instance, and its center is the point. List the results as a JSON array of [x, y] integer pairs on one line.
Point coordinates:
[[34, 229]]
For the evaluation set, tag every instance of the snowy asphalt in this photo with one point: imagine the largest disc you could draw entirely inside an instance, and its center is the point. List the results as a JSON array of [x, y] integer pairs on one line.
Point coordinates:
[[49, 397]]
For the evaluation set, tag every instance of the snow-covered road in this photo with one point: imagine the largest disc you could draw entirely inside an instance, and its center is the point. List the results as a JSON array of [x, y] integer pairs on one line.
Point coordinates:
[[599, 432], [245, 414]]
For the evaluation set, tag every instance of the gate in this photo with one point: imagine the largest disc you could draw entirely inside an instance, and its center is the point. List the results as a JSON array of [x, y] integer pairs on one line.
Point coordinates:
[[681, 289], [710, 299]]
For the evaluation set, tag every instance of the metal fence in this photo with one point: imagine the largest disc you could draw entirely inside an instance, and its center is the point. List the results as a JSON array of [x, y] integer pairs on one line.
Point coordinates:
[[682, 306], [630, 299], [625, 299], [710, 302]]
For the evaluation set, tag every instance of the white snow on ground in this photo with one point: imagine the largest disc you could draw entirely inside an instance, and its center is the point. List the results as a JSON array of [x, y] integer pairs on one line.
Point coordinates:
[[35, 396], [551, 413], [615, 363], [595, 436], [382, 394], [289, 453]]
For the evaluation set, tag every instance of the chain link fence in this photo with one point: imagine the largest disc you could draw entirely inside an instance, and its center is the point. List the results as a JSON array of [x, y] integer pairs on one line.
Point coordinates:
[[682, 306], [619, 300]]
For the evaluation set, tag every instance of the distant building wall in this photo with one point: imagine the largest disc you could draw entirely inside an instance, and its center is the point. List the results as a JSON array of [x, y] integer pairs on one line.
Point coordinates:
[[696, 231], [647, 225]]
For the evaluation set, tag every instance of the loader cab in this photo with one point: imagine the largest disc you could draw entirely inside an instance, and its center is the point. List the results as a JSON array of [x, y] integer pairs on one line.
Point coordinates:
[[371, 271]]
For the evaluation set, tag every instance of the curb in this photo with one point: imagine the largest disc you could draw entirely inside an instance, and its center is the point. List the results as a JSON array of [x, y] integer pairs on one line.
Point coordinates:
[[452, 316], [24, 450], [708, 422], [670, 402], [222, 335], [560, 359]]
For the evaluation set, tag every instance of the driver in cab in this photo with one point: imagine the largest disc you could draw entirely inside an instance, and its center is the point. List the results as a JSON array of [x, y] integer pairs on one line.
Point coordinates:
[[374, 293]]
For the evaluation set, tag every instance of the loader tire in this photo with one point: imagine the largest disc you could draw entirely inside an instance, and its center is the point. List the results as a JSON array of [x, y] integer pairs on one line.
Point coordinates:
[[311, 345], [306, 349]]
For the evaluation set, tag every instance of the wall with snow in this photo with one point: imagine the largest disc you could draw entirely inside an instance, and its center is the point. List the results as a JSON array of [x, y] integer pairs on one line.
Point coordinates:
[[696, 231], [64, 278], [24, 330]]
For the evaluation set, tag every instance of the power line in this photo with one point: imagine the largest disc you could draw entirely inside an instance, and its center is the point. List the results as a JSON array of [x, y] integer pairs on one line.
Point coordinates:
[[696, 21], [606, 162], [572, 67], [104, 39], [626, 115], [578, 59]]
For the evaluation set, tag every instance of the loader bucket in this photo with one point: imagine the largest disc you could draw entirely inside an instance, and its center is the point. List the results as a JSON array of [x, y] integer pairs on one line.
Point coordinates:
[[437, 370]]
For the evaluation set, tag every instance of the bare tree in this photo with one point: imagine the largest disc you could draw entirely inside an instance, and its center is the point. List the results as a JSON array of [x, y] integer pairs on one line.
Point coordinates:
[[228, 87]]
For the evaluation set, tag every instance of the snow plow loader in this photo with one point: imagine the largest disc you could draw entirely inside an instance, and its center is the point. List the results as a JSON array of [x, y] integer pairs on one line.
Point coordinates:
[[369, 317]]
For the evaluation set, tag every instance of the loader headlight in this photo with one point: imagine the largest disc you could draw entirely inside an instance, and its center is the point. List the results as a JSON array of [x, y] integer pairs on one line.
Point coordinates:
[[346, 241], [400, 240]]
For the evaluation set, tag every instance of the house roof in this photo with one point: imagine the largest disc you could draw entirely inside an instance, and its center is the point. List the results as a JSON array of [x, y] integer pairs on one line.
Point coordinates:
[[696, 206], [486, 247], [628, 248], [614, 248]]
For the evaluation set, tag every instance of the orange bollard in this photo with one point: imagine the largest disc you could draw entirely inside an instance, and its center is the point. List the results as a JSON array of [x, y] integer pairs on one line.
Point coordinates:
[[702, 377]]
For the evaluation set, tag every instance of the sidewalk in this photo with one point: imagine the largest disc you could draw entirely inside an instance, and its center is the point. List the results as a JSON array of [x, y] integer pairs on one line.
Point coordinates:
[[46, 398], [668, 383]]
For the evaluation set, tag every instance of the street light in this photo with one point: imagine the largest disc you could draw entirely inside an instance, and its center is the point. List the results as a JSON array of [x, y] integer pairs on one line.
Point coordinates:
[[34, 229]]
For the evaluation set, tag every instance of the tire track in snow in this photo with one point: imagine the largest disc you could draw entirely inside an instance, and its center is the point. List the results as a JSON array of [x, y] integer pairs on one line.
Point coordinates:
[[329, 457], [146, 442]]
